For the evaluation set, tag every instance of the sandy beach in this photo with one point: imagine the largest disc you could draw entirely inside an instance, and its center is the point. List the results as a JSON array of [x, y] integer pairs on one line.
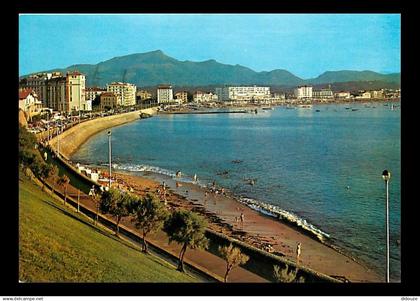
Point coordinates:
[[223, 211], [257, 229]]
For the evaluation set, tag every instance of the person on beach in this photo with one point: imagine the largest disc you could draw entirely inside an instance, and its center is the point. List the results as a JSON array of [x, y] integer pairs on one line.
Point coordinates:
[[45, 156], [195, 177], [298, 251], [242, 217]]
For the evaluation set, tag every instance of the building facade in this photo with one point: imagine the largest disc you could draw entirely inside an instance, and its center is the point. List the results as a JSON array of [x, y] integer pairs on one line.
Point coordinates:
[[181, 96], [29, 102], [342, 95], [93, 92], [323, 94], [303, 92], [143, 95], [200, 96], [59, 92], [109, 100], [164, 94], [243, 93], [126, 91]]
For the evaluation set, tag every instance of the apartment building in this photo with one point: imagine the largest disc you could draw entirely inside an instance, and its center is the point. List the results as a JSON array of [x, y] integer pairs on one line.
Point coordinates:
[[126, 91]]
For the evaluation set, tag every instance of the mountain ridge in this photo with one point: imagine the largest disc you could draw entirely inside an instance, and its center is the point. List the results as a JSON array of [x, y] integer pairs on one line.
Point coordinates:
[[155, 67]]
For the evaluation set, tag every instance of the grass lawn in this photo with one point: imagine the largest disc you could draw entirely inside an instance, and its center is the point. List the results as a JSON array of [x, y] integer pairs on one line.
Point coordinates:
[[57, 244]]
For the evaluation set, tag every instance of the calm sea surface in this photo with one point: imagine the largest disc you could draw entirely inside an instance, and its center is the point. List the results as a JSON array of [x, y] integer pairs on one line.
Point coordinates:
[[323, 166]]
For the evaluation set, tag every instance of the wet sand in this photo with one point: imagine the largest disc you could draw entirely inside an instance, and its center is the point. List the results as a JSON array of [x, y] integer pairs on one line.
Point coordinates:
[[223, 214]]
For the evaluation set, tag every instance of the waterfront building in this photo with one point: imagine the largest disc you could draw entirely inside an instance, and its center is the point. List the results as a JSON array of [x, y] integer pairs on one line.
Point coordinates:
[[164, 94], [243, 93], [76, 87], [59, 92], [362, 95], [303, 92], [93, 92], [38, 84], [126, 91], [181, 96], [109, 100], [323, 93], [342, 95], [377, 94], [279, 95], [29, 103], [143, 95], [200, 96]]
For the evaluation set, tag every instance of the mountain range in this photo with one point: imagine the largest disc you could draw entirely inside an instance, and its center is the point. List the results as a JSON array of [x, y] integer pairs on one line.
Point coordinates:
[[155, 67]]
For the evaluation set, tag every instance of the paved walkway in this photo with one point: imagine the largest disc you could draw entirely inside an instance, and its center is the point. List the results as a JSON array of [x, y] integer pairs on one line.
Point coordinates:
[[199, 258]]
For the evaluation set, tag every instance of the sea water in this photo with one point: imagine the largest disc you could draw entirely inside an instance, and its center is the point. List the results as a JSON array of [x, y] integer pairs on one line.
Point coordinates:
[[322, 168]]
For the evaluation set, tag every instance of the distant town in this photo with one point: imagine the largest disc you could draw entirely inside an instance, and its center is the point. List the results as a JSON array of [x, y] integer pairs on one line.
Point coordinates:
[[51, 96]]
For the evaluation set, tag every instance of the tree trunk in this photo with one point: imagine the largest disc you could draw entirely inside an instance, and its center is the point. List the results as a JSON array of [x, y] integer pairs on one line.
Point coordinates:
[[65, 195], [145, 249], [228, 269], [181, 258], [118, 226]]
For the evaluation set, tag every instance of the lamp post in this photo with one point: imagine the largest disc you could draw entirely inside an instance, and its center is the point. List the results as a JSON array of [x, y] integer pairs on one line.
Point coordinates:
[[109, 151], [386, 175]]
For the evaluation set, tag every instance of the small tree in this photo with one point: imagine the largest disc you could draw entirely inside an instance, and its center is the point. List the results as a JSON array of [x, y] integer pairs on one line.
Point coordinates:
[[149, 216], [64, 181], [47, 171], [286, 276], [117, 204], [186, 228], [233, 257]]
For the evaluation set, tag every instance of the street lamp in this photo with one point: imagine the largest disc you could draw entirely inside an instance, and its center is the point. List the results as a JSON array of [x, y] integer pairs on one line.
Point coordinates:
[[386, 175], [109, 151]]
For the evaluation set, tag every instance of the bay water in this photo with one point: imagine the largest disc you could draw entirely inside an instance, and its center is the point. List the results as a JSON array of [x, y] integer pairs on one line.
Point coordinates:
[[323, 165]]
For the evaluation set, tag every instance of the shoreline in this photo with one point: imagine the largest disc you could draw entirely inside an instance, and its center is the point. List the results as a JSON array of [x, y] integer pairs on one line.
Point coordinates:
[[263, 229], [72, 139], [258, 230]]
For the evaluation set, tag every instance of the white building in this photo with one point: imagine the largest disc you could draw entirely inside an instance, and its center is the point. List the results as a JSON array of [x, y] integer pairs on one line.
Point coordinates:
[[323, 93], [200, 96], [342, 95], [76, 85], [164, 94], [126, 91], [29, 103], [243, 93], [303, 92]]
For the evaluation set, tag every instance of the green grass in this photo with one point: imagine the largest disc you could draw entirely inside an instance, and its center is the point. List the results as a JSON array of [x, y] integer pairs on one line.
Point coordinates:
[[57, 244]]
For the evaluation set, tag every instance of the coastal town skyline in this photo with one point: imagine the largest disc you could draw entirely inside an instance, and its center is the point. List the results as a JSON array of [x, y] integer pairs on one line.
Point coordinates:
[[306, 45]]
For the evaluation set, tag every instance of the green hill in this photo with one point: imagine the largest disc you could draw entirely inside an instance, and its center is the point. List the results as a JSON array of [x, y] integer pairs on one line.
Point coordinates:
[[58, 245]]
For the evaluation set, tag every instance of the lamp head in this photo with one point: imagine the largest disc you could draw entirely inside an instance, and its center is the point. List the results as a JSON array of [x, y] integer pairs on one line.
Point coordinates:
[[109, 133], [386, 175]]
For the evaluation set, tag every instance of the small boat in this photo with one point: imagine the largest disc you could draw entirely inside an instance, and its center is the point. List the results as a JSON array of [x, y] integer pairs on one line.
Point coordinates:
[[317, 111], [348, 108], [145, 115], [354, 109], [267, 108]]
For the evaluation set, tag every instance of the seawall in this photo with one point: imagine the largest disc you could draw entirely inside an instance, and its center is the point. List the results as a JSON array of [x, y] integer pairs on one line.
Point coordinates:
[[73, 138]]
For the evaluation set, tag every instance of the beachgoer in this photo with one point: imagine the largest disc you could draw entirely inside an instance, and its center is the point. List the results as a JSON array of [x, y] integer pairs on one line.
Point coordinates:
[[45, 156], [242, 217], [164, 185], [298, 251], [195, 178], [205, 194]]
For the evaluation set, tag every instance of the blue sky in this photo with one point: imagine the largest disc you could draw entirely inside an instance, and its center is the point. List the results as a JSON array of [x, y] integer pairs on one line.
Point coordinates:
[[304, 44]]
